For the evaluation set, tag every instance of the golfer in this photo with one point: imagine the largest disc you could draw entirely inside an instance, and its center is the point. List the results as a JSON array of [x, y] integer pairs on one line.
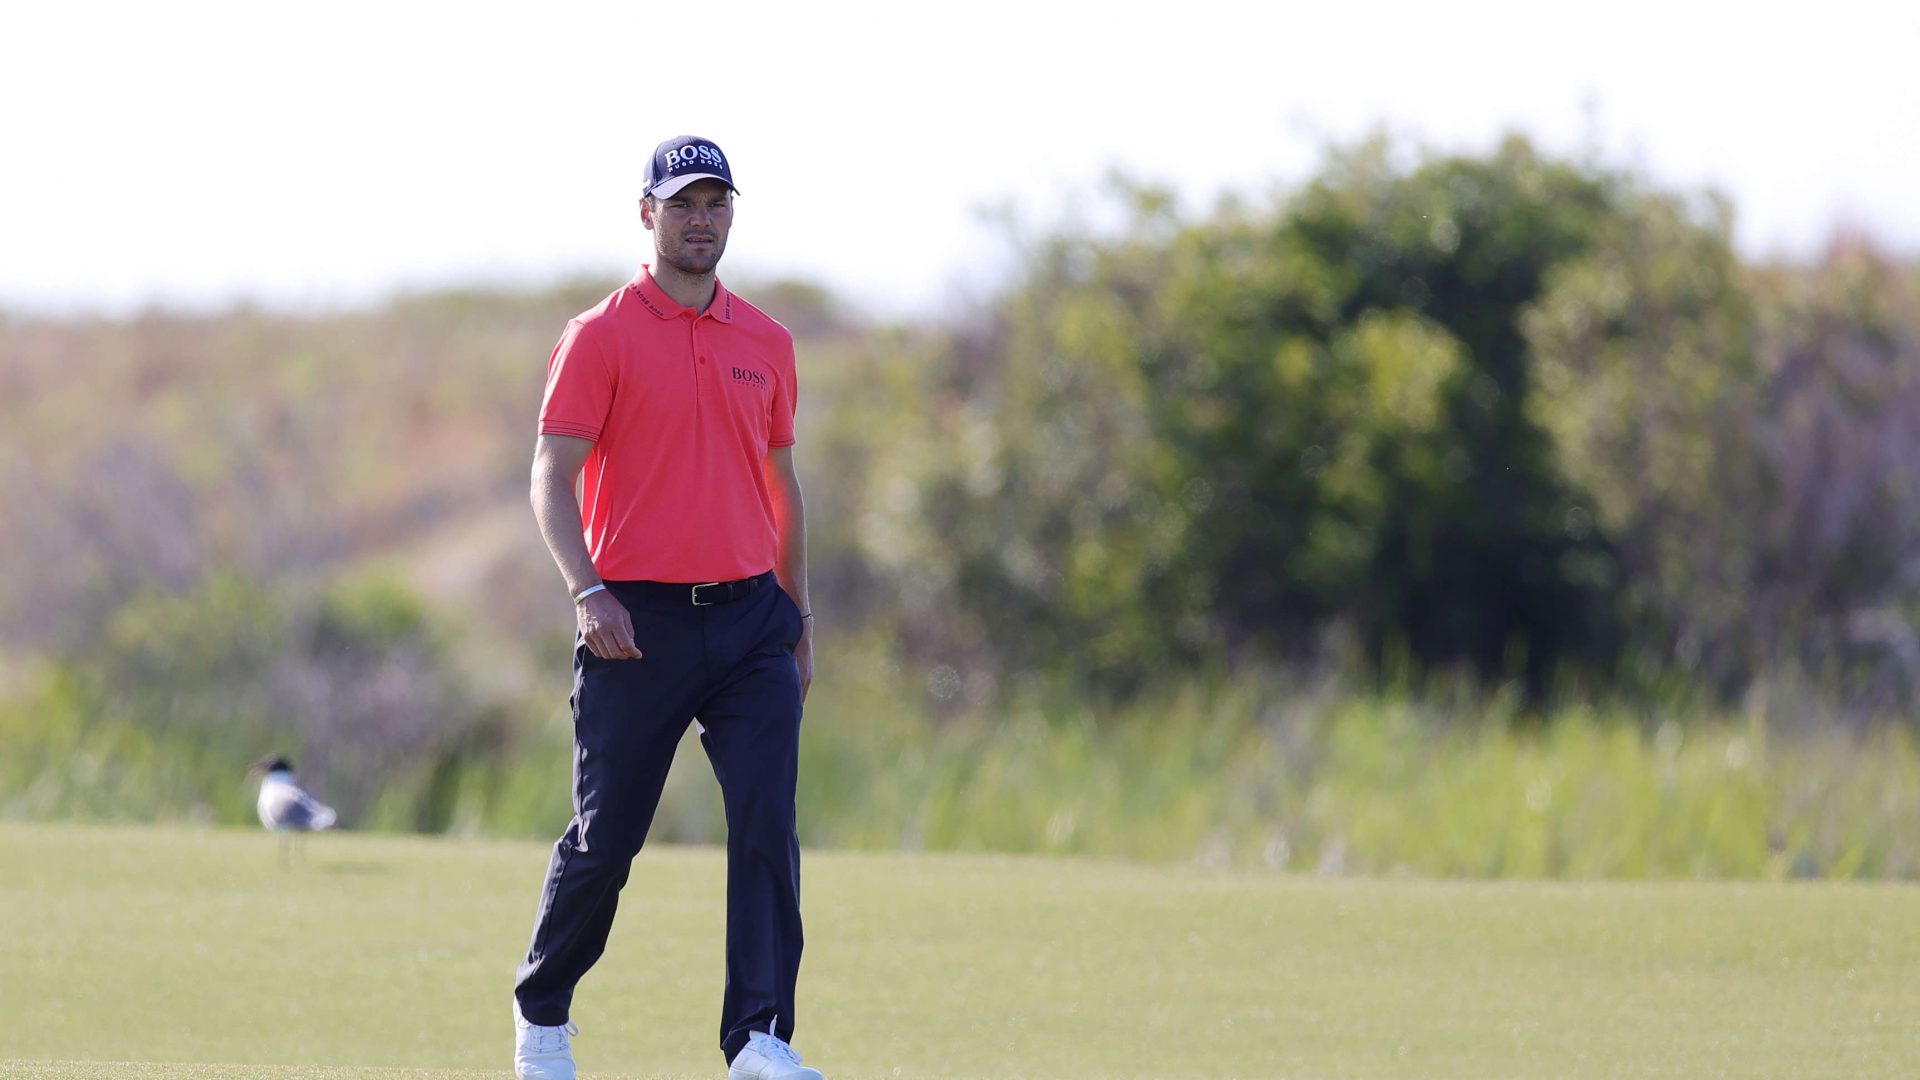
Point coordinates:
[[687, 563]]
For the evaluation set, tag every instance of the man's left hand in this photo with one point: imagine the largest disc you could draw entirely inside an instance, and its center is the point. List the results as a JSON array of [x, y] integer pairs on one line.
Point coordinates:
[[803, 655]]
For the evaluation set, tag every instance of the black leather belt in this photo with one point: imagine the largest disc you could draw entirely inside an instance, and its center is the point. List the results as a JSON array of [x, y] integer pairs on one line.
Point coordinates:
[[703, 594]]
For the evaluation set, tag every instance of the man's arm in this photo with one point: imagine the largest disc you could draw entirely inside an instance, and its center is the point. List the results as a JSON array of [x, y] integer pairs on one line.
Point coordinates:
[[604, 623], [790, 517]]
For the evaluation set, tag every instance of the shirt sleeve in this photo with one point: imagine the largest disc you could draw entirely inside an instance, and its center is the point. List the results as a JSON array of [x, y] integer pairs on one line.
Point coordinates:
[[579, 386], [786, 393]]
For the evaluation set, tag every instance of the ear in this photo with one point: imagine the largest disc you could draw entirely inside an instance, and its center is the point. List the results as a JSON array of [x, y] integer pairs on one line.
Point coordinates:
[[646, 213]]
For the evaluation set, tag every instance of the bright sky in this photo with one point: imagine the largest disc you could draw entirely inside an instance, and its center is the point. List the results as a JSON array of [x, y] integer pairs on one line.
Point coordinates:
[[195, 152]]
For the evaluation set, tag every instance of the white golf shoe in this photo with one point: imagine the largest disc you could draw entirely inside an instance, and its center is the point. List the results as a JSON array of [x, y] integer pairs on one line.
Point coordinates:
[[768, 1057], [541, 1052]]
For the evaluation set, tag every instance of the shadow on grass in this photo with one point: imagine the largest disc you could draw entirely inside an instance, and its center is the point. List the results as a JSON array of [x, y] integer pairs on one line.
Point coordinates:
[[361, 869]]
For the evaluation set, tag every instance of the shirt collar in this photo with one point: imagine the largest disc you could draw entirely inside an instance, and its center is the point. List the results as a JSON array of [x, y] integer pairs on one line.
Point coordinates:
[[656, 300]]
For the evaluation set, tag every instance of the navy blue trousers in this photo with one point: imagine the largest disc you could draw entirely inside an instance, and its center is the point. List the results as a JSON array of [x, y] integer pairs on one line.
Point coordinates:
[[731, 666]]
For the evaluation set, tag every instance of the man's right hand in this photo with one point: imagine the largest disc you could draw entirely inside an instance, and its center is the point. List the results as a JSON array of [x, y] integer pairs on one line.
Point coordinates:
[[606, 627]]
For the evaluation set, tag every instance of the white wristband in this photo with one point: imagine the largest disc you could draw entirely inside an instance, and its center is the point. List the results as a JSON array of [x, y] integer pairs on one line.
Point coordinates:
[[589, 591]]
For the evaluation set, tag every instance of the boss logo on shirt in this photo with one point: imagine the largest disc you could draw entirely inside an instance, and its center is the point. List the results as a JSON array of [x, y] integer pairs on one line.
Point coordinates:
[[688, 156], [749, 376]]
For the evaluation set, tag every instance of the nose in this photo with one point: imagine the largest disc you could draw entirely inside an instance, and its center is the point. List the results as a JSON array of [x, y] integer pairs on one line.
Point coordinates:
[[700, 214]]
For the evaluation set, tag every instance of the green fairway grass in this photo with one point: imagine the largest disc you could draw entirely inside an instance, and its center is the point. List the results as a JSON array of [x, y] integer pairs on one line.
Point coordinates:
[[158, 1071], [193, 953]]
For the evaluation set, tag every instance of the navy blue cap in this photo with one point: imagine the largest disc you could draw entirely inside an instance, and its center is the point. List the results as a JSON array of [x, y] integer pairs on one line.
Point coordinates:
[[680, 161]]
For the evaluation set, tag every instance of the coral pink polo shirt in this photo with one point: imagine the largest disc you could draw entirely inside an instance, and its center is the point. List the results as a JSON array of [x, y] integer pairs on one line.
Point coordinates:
[[682, 408]]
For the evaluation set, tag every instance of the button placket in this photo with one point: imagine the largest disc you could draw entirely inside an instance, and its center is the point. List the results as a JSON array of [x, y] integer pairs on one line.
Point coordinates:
[[700, 379]]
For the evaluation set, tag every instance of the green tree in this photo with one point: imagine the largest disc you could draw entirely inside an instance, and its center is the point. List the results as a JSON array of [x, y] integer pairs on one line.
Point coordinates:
[[1646, 378], [1219, 439]]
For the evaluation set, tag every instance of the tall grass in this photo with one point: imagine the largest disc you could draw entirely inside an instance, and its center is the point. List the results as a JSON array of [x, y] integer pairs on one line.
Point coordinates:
[[1265, 772], [1262, 771]]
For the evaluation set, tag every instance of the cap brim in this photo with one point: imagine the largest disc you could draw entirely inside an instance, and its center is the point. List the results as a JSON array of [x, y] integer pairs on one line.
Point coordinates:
[[668, 188]]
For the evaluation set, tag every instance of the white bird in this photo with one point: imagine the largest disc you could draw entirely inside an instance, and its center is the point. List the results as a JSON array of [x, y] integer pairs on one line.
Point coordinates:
[[284, 807]]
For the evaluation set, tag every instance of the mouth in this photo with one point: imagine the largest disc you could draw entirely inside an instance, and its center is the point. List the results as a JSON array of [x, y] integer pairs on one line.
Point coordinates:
[[700, 239]]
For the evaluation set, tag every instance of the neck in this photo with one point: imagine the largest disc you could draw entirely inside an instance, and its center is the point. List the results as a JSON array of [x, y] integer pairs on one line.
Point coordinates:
[[689, 290]]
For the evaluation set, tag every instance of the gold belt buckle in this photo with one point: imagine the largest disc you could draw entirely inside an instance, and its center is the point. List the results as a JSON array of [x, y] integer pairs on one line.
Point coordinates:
[[696, 594]]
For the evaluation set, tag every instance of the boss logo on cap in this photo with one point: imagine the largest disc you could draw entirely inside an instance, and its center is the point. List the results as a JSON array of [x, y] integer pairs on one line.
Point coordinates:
[[688, 156]]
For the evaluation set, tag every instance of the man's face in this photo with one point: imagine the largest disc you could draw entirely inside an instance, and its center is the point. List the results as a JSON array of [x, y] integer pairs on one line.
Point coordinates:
[[690, 226]]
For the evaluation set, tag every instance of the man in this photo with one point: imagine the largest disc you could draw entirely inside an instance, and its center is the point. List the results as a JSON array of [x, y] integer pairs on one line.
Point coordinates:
[[688, 569]]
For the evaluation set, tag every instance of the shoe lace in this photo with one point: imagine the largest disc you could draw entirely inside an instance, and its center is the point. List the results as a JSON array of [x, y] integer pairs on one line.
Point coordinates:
[[775, 1047], [545, 1039]]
